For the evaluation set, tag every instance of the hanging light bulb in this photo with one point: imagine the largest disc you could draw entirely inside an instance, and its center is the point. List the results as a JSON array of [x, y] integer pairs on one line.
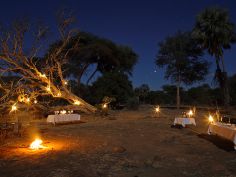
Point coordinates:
[[27, 100], [13, 107], [48, 88], [59, 94], [190, 113], [77, 102], [42, 75]]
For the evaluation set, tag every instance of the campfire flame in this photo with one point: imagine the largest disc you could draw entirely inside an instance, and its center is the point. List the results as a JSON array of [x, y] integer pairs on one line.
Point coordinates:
[[36, 144]]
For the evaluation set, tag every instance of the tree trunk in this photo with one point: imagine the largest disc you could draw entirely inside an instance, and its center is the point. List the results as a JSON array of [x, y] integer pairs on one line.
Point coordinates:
[[70, 97], [178, 94]]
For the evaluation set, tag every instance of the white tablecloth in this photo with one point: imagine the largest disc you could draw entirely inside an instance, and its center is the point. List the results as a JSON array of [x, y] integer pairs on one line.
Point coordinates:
[[184, 121], [225, 131], [63, 118]]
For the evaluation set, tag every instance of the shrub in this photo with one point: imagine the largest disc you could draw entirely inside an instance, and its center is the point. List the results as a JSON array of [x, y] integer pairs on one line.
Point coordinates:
[[133, 103]]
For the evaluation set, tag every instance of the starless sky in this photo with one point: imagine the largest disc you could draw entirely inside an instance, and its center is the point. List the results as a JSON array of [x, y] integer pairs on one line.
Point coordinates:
[[140, 24]]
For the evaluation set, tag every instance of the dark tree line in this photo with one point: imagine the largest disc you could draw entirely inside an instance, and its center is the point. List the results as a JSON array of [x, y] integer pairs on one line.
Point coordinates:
[[202, 95]]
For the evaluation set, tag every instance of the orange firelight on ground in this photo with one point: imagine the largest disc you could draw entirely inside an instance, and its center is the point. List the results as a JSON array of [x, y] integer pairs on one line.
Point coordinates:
[[36, 144]]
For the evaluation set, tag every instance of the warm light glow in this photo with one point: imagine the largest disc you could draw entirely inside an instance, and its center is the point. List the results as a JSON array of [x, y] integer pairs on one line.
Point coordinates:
[[48, 88], [13, 107], [28, 100], [42, 75], [36, 144], [210, 118], [63, 112], [190, 113], [65, 82], [104, 106], [157, 109], [77, 102], [35, 101], [59, 94]]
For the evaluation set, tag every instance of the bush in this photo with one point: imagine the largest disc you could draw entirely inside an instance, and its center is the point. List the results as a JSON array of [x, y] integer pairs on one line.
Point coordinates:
[[133, 103]]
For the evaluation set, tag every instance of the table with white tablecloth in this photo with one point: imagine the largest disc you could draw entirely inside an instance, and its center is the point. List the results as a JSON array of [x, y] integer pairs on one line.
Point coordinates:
[[184, 121], [223, 130], [61, 118]]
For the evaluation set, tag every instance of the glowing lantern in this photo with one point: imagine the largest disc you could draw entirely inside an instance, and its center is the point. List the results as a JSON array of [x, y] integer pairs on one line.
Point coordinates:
[[77, 102], [48, 88], [210, 118], [42, 75], [190, 113], [13, 107], [21, 98], [36, 144], [63, 112], [157, 109], [104, 106], [27, 100]]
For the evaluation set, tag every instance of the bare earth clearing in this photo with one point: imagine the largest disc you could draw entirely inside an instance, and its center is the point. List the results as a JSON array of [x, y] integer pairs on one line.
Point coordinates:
[[125, 144]]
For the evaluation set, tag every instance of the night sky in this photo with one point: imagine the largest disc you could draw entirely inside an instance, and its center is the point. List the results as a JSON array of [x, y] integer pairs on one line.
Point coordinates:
[[140, 24]]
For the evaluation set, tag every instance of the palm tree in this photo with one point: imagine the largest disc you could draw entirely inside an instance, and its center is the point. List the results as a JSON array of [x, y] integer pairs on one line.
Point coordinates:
[[215, 32]]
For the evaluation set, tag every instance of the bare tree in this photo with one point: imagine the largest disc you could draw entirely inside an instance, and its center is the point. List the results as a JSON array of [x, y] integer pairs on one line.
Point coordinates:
[[37, 77]]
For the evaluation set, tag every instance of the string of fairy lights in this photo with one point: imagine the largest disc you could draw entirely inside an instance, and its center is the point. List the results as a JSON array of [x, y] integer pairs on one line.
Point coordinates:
[[24, 98]]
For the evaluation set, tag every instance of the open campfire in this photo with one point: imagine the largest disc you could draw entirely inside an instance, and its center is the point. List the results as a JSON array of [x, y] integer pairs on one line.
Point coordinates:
[[36, 144]]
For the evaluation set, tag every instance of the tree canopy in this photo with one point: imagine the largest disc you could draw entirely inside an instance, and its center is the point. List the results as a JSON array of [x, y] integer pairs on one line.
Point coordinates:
[[103, 53], [182, 59], [215, 32], [112, 84]]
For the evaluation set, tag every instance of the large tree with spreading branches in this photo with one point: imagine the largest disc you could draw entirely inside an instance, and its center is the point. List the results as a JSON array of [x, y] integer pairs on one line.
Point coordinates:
[[102, 53], [182, 59], [37, 77]]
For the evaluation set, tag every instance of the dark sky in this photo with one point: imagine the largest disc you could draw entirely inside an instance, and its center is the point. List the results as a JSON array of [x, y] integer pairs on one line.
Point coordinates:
[[140, 24]]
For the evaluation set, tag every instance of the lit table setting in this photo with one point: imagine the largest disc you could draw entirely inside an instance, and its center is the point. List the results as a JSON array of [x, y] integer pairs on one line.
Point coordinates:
[[186, 119], [227, 131], [62, 117]]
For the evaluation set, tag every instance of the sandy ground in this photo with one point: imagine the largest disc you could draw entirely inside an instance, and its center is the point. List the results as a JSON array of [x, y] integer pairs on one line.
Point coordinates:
[[125, 144]]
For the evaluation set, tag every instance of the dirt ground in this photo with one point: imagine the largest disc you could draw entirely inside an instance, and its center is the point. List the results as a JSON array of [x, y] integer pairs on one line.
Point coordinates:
[[124, 144]]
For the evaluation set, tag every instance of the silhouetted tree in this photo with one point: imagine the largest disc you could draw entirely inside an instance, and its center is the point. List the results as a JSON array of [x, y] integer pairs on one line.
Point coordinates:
[[112, 84], [232, 84], [215, 32], [182, 60], [102, 53], [142, 92], [37, 77]]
